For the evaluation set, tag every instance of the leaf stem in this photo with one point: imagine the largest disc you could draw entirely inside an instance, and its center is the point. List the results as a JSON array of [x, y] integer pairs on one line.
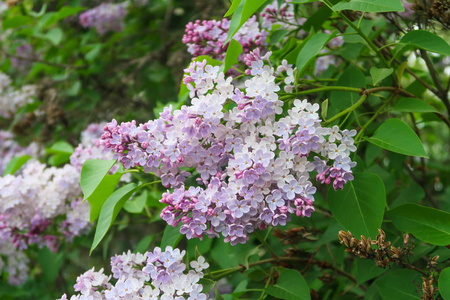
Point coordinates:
[[350, 109]]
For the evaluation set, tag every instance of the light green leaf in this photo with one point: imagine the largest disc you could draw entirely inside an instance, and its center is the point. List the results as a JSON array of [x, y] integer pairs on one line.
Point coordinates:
[[359, 206], [396, 136], [94, 52], [444, 283], [311, 49], [370, 5], [324, 107], [137, 204], [231, 57], [232, 8], [110, 210], [171, 236], [413, 105], [290, 286], [425, 223], [242, 13], [277, 36], [399, 285], [62, 152], [426, 40], [379, 74], [15, 164], [54, 35]]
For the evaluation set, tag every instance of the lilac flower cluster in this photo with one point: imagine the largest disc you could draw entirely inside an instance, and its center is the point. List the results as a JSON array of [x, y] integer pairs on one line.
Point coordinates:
[[10, 149], [284, 15], [14, 262], [208, 37], [23, 50], [152, 275], [254, 166], [12, 99], [105, 17]]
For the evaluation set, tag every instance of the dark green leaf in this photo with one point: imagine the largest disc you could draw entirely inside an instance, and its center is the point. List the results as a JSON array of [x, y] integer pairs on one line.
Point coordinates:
[[145, 243], [379, 74], [426, 40], [290, 286], [171, 236], [351, 77], [370, 5], [50, 263], [413, 105], [396, 136], [399, 285], [444, 283], [413, 193], [231, 57], [425, 223], [367, 269], [110, 210], [277, 36], [311, 49], [15, 164], [317, 19], [359, 206]]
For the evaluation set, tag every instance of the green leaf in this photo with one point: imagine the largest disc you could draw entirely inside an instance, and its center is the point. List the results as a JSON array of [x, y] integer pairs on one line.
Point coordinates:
[[351, 77], [396, 136], [426, 40], [62, 152], [94, 52], [110, 210], [144, 243], [242, 13], [54, 35], [370, 5], [64, 12], [171, 237], [277, 36], [444, 283], [413, 105], [232, 8], [290, 286], [311, 49], [207, 284], [136, 205], [317, 19], [367, 269], [16, 21], [96, 184], [379, 74], [413, 193], [359, 206], [399, 285], [15, 164], [231, 57], [425, 223], [324, 107]]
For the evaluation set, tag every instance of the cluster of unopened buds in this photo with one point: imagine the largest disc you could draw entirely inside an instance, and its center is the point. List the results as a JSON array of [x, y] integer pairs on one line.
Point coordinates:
[[152, 275], [105, 17], [252, 168]]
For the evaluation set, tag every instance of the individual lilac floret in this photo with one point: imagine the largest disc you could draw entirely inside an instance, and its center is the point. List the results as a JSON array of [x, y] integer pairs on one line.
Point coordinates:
[[253, 168], [105, 17], [152, 275]]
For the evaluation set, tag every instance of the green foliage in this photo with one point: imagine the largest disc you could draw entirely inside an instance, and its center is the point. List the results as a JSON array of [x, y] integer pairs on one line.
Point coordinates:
[[359, 206], [444, 283], [426, 40], [427, 224], [396, 136], [370, 5], [290, 286], [311, 49], [15, 164]]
